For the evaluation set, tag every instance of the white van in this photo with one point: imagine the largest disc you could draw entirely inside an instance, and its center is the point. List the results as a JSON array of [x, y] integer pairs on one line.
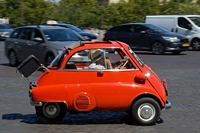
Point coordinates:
[[188, 25]]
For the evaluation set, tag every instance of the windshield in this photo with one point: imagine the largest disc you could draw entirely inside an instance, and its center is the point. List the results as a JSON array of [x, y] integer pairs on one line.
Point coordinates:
[[195, 20], [136, 57], [75, 28], [56, 63], [156, 29], [62, 35]]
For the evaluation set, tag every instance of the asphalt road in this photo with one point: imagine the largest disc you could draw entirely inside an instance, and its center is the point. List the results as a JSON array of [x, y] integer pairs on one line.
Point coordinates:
[[180, 71]]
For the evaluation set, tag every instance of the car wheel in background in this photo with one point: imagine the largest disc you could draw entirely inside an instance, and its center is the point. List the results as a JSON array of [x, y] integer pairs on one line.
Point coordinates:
[[195, 44], [51, 112], [158, 48], [146, 111], [13, 58], [49, 58]]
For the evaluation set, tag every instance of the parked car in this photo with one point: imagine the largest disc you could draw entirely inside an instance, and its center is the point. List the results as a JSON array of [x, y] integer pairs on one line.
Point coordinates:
[[188, 25], [148, 37], [88, 35], [45, 42], [68, 85], [5, 31]]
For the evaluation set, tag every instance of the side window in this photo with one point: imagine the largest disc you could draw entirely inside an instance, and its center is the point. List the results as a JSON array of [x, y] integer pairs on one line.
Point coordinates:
[[95, 59], [138, 28], [36, 33], [126, 29], [15, 33], [118, 59], [114, 29], [184, 23], [25, 34], [79, 60]]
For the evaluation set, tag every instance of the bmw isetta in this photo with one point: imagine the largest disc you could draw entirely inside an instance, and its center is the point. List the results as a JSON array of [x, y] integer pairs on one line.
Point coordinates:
[[69, 85]]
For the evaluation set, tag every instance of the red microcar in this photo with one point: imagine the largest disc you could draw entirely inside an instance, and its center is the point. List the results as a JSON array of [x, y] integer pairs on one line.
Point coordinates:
[[96, 76]]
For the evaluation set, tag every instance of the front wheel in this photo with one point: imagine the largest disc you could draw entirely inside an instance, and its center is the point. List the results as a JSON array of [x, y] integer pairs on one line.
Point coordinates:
[[158, 48], [51, 112], [146, 111], [13, 59], [195, 44], [49, 58]]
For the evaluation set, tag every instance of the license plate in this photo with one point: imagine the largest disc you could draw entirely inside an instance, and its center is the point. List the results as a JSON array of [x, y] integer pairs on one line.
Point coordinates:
[[186, 45]]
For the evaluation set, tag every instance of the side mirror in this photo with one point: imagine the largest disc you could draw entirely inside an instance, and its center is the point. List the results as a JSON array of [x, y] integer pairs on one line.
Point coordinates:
[[140, 78], [189, 26], [38, 39]]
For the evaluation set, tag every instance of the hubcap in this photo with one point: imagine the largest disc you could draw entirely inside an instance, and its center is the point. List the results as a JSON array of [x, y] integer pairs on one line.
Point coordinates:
[[146, 112], [157, 48], [51, 110], [196, 45]]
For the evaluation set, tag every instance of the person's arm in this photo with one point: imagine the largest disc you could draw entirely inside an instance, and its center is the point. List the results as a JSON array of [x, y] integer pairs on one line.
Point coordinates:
[[109, 65]]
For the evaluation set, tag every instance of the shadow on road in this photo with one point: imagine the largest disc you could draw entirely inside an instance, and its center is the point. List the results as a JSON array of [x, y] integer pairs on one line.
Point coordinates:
[[80, 118]]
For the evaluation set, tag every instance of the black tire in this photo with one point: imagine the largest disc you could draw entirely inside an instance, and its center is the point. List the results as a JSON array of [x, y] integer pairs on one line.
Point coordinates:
[[12, 56], [51, 112], [195, 44], [49, 58], [146, 111], [176, 52], [158, 48]]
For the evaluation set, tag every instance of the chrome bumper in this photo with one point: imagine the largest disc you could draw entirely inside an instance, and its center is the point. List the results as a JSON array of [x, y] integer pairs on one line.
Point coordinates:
[[35, 103], [168, 105]]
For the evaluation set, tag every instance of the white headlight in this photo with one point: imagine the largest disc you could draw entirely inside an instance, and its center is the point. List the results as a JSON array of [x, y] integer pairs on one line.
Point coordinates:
[[171, 39]]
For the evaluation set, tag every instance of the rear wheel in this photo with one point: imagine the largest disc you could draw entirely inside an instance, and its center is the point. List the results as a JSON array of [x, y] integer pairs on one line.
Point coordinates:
[[146, 111], [51, 112], [13, 58], [158, 48], [49, 58], [195, 44]]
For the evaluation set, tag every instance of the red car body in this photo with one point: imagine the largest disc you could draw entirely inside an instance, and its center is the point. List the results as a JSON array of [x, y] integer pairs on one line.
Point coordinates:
[[137, 90]]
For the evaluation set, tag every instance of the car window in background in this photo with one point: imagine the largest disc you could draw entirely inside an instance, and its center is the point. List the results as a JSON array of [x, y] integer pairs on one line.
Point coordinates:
[[15, 33], [62, 35], [125, 29], [75, 28], [36, 33], [25, 34], [157, 29], [195, 20]]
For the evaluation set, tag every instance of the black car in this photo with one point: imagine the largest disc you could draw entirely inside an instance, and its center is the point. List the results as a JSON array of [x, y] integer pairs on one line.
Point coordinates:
[[148, 37], [88, 35]]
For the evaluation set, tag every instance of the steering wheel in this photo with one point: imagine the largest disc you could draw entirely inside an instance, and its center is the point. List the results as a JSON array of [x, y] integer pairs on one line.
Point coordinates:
[[122, 64]]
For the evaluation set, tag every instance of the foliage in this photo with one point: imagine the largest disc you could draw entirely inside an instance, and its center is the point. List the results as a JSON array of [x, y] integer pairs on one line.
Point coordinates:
[[88, 13]]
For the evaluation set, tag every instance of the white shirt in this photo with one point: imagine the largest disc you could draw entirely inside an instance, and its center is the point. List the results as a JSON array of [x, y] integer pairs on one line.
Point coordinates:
[[95, 66]]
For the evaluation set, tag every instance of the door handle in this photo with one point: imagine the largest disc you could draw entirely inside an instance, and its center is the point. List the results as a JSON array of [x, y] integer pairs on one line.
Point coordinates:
[[100, 73], [16, 42], [29, 44], [176, 30]]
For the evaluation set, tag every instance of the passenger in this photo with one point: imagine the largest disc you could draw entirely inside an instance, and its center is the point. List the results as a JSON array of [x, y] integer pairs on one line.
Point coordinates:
[[97, 58]]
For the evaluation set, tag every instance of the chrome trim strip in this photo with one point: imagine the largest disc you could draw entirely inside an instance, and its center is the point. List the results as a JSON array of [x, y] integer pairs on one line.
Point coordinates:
[[35, 103], [167, 105]]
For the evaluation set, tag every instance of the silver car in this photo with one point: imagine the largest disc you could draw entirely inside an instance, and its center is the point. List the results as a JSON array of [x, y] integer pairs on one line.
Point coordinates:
[[44, 42]]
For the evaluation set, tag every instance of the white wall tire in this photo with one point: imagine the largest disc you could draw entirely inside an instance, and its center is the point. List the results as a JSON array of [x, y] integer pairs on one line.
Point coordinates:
[[51, 112], [146, 111]]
